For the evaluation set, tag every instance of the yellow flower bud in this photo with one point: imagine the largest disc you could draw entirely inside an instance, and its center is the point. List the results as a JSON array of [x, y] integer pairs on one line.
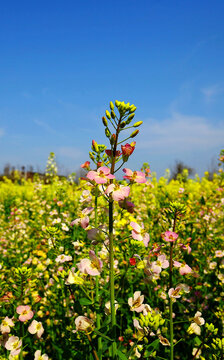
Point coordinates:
[[134, 133], [108, 114], [138, 123], [111, 106]]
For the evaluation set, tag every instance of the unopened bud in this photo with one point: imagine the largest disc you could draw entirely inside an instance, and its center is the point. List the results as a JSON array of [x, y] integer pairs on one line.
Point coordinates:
[[104, 121], [108, 114], [95, 146], [113, 139], [123, 124], [113, 114], [138, 123], [107, 132], [132, 108], [111, 106], [134, 133], [91, 156]]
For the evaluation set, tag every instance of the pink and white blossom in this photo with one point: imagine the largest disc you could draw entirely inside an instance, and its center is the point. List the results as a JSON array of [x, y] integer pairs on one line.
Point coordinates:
[[136, 302], [134, 176], [101, 176], [170, 236], [83, 218], [92, 266], [63, 258], [118, 193], [25, 312], [138, 233]]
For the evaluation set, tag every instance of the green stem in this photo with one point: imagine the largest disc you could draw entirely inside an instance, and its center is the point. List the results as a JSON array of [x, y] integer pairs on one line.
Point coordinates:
[[98, 318], [112, 297], [170, 286]]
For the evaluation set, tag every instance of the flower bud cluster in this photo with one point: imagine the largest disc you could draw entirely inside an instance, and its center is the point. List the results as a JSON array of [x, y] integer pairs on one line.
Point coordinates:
[[152, 320]]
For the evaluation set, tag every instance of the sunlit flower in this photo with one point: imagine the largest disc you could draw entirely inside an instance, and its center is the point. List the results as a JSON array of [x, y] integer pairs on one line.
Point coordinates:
[[127, 150], [63, 258], [135, 176], [136, 302], [74, 278], [83, 323], [138, 233], [83, 218], [159, 264], [174, 293], [6, 325], [36, 328], [101, 176], [183, 268], [13, 344], [92, 266], [38, 356], [197, 321], [85, 165], [118, 192], [170, 236], [25, 312]]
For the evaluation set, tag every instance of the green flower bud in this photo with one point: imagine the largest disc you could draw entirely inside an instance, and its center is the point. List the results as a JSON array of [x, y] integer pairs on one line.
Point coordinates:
[[122, 124], [113, 114], [146, 340], [111, 106], [91, 156], [134, 133], [138, 123], [141, 322], [104, 121], [107, 132], [130, 117], [108, 114]]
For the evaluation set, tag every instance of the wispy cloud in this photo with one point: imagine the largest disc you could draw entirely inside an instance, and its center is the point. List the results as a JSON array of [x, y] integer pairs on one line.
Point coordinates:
[[180, 133], [210, 92], [70, 152], [44, 126]]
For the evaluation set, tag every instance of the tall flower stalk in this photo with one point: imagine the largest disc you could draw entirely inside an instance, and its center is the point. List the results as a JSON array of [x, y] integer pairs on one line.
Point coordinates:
[[105, 176]]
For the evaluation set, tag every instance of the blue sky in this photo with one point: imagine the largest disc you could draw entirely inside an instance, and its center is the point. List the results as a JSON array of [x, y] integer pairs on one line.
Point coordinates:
[[63, 61]]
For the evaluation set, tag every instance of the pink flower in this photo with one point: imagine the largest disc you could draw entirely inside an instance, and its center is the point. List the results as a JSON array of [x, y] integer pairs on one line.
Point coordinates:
[[159, 264], [83, 218], [136, 302], [170, 236], [127, 150], [175, 293], [13, 345], [136, 176], [25, 312], [36, 328], [138, 233], [118, 192], [183, 268], [92, 266], [101, 176], [63, 258]]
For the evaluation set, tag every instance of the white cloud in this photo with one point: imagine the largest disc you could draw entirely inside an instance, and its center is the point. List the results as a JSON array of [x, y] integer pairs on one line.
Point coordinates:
[[181, 133], [44, 126], [70, 152], [210, 92]]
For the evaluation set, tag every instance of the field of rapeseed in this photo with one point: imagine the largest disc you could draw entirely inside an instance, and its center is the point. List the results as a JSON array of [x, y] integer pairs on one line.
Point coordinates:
[[112, 269]]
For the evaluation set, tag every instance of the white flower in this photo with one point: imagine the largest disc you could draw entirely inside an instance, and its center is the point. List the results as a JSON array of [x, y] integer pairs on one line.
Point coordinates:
[[36, 328], [6, 325], [13, 345], [136, 302], [38, 356]]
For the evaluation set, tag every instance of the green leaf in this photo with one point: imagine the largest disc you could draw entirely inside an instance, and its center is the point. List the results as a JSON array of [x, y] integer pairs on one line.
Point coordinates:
[[85, 301], [197, 341], [102, 335], [121, 355]]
